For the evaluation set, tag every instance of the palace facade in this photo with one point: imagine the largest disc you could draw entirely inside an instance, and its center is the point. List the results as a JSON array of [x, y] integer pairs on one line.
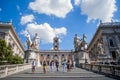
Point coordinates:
[[105, 44], [8, 33]]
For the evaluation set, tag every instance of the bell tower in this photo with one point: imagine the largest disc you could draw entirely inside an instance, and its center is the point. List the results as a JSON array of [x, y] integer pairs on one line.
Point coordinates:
[[56, 43]]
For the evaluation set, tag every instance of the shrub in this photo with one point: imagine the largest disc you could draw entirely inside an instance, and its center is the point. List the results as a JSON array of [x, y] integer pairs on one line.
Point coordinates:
[[15, 59]]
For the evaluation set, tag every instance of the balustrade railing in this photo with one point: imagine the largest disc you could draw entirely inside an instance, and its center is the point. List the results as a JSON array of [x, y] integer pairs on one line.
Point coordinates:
[[6, 70], [113, 70]]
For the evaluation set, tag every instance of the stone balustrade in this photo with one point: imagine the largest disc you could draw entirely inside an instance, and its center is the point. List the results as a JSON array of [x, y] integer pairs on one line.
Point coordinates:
[[109, 70], [6, 70]]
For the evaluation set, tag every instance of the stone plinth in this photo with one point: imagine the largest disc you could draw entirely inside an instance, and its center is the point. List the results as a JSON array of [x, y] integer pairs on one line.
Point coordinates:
[[31, 55]]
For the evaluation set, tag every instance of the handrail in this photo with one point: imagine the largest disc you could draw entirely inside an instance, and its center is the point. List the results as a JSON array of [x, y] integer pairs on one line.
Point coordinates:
[[6, 70], [112, 70]]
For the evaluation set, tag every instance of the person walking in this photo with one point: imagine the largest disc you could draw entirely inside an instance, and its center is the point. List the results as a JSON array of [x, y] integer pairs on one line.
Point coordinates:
[[33, 66], [68, 65], [51, 65], [64, 64], [44, 66], [57, 65], [74, 64]]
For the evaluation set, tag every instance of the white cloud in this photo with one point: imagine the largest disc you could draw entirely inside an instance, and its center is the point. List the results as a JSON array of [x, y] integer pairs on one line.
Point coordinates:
[[98, 9], [26, 19], [45, 31], [77, 2], [58, 8], [61, 30], [24, 32]]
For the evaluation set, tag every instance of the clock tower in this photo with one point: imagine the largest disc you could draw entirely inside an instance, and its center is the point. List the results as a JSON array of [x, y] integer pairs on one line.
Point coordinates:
[[56, 43]]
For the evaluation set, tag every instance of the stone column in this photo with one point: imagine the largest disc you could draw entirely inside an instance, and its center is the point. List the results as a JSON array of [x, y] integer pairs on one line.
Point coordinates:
[[106, 47], [117, 41], [6, 37]]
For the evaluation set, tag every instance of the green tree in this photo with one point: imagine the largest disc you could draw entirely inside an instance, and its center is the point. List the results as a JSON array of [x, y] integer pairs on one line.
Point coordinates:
[[15, 59], [6, 54], [3, 47]]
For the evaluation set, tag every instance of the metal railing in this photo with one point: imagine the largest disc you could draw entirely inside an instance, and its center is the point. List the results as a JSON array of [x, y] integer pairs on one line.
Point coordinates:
[[6, 70]]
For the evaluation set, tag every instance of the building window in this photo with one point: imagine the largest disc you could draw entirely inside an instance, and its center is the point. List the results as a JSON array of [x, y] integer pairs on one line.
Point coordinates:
[[111, 43], [48, 56], [119, 39], [113, 54]]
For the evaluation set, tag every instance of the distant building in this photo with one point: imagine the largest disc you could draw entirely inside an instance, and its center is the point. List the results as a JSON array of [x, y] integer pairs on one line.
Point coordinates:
[[8, 33], [105, 44], [48, 55]]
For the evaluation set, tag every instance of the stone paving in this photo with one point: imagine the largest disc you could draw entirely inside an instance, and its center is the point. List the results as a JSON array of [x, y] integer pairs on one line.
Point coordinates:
[[74, 74]]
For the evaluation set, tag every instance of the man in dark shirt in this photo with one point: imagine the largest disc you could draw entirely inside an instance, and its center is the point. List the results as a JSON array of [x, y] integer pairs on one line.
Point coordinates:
[[57, 64]]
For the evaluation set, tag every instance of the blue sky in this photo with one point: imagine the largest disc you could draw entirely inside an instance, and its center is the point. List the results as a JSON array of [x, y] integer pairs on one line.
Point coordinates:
[[64, 18]]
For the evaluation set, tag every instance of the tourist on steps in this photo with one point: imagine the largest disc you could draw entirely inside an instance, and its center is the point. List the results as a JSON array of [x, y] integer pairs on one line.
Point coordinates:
[[33, 65], [57, 65], [51, 65], [44, 66], [64, 64]]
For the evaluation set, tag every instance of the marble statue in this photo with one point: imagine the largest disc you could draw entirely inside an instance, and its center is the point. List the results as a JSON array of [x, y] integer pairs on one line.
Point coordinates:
[[84, 43], [29, 42], [36, 42], [33, 44], [100, 48], [76, 42], [84, 37]]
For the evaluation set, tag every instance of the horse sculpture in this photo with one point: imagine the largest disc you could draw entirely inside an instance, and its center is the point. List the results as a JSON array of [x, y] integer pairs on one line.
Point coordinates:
[[79, 44]]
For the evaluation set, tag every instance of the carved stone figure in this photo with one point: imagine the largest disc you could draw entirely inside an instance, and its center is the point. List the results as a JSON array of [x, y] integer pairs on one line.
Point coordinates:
[[29, 42], [100, 48], [84, 43], [36, 42], [76, 42], [84, 37]]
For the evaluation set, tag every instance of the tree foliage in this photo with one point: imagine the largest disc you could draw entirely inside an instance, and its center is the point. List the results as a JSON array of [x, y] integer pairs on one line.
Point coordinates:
[[6, 54]]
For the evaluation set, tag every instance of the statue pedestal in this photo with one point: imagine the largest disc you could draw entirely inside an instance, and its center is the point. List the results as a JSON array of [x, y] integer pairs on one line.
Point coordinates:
[[81, 57], [31, 55]]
